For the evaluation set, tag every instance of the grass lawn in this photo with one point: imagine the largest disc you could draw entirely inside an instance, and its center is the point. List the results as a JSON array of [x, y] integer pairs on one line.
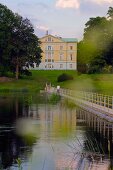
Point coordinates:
[[32, 83], [102, 83], [94, 82]]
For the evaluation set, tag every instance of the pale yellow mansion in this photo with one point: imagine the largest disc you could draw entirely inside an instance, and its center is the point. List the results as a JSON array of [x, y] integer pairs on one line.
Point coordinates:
[[58, 53]]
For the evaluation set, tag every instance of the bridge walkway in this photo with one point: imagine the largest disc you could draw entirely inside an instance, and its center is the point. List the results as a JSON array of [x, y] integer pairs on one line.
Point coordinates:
[[99, 104]]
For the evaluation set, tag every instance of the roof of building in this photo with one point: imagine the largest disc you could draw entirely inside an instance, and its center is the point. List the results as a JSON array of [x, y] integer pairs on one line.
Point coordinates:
[[70, 39], [63, 39]]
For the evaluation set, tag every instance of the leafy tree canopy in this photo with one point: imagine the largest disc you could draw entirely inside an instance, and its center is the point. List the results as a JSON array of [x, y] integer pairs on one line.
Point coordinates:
[[95, 51], [19, 46]]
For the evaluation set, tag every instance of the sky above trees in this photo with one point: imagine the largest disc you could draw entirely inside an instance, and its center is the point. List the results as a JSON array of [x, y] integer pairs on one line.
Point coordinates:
[[64, 18]]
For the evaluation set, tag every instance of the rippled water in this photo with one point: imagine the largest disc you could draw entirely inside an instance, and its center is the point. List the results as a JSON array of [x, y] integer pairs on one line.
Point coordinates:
[[38, 134]]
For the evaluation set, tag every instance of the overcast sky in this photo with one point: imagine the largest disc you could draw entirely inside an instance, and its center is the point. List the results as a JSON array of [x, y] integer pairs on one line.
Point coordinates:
[[65, 18]]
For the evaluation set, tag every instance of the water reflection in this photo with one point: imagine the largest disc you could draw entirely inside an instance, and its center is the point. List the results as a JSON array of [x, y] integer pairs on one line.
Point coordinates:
[[12, 146], [51, 136], [99, 133]]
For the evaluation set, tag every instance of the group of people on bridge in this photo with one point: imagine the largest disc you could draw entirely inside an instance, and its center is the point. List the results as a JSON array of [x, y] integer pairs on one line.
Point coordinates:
[[49, 88]]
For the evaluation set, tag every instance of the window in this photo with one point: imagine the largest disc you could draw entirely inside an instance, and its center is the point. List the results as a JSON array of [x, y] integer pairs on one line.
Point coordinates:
[[71, 47], [61, 47], [49, 60], [49, 65], [61, 65], [71, 56], [52, 60], [49, 39], [70, 65], [49, 48], [49, 55], [61, 56]]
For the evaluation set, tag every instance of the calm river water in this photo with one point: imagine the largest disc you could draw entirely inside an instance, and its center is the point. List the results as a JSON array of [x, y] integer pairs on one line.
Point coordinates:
[[37, 133]]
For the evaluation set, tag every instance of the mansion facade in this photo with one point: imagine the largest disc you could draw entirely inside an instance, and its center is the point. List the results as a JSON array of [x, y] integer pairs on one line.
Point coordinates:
[[58, 53]]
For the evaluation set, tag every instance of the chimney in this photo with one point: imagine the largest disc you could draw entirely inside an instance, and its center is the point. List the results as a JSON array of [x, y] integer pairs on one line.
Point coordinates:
[[47, 32]]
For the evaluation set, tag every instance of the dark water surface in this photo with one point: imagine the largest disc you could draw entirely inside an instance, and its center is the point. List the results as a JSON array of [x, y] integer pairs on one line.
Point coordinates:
[[38, 134]]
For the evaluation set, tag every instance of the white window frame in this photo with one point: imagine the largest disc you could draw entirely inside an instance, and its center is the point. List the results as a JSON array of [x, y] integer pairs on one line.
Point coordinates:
[[49, 48]]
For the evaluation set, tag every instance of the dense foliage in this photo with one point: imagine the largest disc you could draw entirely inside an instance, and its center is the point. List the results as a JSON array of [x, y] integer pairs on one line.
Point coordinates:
[[19, 46], [95, 51]]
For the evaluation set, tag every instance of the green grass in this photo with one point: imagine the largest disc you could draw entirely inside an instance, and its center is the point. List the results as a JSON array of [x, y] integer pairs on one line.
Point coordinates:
[[102, 83], [94, 82], [32, 83]]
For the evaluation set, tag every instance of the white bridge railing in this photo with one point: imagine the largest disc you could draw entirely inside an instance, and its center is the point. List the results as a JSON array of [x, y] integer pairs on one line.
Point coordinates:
[[100, 99], [97, 100]]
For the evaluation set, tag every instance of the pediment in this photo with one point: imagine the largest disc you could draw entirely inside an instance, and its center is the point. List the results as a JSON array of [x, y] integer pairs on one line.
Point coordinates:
[[51, 38]]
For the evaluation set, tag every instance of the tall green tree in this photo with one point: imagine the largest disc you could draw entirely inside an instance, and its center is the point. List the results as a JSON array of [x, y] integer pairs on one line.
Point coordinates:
[[97, 43], [26, 51], [23, 46], [91, 47], [110, 13], [6, 27], [109, 51]]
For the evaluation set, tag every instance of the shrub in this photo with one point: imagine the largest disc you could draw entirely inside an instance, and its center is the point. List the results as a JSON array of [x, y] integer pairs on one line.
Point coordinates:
[[54, 98], [64, 77], [26, 72]]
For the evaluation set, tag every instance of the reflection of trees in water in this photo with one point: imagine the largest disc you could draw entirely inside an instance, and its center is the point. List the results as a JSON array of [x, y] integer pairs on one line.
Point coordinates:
[[10, 108], [13, 146], [14, 106]]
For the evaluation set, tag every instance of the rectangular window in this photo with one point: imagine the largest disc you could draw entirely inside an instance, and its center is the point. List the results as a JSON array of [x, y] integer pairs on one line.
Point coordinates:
[[49, 55], [49, 60], [70, 65], [61, 47], [45, 60], [49, 39], [71, 47], [71, 57], [49, 65], [61, 65], [49, 48], [61, 57]]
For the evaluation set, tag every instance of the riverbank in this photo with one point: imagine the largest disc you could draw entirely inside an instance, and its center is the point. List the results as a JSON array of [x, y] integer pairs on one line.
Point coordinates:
[[33, 83], [102, 83]]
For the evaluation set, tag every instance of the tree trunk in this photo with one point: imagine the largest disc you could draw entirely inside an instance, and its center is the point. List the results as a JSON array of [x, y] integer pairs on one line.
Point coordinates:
[[17, 68], [17, 71]]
